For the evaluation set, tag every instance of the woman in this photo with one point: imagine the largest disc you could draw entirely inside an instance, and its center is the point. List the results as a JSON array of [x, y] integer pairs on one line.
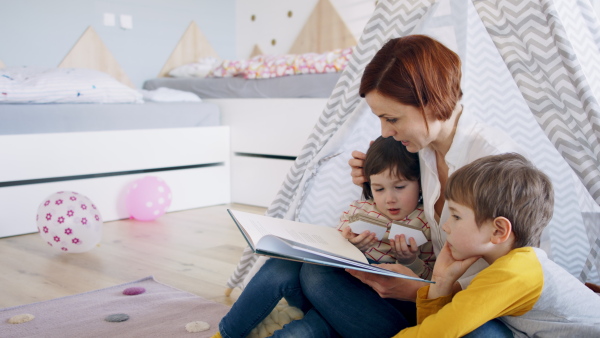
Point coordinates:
[[413, 86]]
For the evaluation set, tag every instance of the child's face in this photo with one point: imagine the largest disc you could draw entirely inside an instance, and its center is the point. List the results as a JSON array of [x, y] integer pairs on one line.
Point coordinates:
[[463, 236], [395, 197]]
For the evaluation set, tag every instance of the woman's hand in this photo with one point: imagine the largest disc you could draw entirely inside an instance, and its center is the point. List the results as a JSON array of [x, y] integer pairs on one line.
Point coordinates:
[[391, 287], [447, 271], [405, 254], [356, 163], [363, 241]]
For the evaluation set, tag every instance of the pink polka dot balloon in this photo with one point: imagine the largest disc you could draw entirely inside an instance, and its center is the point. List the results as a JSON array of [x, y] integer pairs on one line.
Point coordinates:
[[148, 198], [69, 222]]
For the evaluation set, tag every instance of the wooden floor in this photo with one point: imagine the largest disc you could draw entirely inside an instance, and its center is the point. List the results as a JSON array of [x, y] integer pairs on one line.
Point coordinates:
[[194, 250]]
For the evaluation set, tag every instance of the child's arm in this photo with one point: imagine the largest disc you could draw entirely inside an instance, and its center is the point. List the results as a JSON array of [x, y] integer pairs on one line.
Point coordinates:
[[446, 272], [423, 263], [362, 241], [509, 288]]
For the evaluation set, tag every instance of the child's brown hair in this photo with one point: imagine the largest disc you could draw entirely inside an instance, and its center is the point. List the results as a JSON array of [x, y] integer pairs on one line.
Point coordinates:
[[387, 153], [506, 185]]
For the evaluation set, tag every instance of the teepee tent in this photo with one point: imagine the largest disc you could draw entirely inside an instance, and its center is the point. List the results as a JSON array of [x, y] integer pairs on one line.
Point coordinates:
[[530, 68]]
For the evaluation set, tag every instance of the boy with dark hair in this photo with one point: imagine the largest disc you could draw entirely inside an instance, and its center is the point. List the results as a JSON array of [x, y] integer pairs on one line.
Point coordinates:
[[499, 206]]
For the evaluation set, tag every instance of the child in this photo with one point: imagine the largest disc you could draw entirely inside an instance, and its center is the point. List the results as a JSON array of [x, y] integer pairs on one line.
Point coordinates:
[[499, 206], [392, 194]]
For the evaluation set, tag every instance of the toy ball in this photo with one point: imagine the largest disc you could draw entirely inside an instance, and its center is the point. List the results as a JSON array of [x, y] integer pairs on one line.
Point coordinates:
[[148, 198], [69, 222]]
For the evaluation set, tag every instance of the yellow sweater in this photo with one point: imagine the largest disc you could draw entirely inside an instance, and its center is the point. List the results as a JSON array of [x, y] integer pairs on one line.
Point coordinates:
[[537, 297]]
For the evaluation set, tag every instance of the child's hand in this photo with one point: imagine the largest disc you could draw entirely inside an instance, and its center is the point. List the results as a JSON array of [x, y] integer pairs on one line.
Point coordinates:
[[405, 254], [447, 271], [363, 241]]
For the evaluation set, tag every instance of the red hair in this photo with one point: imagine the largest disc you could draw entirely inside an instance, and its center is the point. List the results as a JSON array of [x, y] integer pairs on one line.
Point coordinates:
[[416, 70]]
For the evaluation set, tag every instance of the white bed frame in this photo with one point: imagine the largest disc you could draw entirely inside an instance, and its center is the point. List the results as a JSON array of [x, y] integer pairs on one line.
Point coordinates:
[[243, 161], [266, 137], [100, 165]]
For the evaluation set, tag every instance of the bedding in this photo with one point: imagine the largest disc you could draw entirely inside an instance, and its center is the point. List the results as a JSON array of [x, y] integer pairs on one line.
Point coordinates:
[[270, 66], [62, 85], [62, 118], [297, 86], [309, 75]]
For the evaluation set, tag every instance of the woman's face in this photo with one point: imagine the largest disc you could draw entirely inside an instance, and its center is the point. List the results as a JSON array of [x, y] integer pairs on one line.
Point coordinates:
[[403, 122]]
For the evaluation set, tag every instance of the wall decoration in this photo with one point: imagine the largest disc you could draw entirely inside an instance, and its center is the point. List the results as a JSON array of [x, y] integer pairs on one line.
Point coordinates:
[[192, 46], [255, 51], [2, 65], [90, 52], [324, 31]]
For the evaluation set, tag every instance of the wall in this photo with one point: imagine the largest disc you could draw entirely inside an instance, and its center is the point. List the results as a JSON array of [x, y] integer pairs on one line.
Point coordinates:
[[42, 32], [273, 23]]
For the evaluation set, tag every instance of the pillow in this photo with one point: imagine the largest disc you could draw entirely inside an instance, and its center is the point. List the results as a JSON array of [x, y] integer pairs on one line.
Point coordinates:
[[229, 68], [268, 66], [62, 85], [163, 94], [197, 69], [265, 66]]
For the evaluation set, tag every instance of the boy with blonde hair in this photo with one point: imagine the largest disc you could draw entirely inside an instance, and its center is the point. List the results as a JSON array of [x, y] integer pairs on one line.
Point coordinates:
[[499, 206]]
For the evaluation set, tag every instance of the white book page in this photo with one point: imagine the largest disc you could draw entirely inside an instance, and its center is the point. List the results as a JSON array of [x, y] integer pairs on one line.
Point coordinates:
[[359, 227], [321, 237], [408, 232]]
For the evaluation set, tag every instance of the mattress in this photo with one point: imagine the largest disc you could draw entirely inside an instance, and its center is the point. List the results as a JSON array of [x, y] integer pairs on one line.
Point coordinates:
[[295, 86], [62, 118]]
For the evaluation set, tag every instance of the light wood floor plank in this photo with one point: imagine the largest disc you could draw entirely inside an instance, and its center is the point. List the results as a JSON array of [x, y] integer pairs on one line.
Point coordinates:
[[194, 250]]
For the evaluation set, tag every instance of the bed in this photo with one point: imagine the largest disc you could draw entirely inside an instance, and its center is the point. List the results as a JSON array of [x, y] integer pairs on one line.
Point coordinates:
[[98, 149], [271, 104]]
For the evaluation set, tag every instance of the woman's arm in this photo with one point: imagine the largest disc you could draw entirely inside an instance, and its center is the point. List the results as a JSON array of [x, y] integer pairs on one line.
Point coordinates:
[[391, 287]]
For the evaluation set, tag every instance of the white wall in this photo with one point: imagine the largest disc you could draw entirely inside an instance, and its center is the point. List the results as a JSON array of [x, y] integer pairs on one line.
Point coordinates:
[[42, 32]]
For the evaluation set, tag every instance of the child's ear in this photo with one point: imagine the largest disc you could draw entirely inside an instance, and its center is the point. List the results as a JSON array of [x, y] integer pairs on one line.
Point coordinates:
[[502, 229]]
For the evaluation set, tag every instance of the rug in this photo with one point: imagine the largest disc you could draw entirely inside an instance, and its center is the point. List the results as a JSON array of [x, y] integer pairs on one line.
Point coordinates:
[[160, 311]]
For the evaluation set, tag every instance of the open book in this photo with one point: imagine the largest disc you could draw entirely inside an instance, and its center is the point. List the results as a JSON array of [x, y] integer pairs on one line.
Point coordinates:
[[315, 244]]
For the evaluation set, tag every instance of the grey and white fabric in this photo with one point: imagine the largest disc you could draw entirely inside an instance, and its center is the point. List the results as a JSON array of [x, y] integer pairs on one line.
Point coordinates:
[[530, 68]]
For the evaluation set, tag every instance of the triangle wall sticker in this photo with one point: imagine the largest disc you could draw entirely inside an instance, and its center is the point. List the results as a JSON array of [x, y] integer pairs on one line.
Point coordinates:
[[90, 52], [323, 31], [256, 51], [192, 46]]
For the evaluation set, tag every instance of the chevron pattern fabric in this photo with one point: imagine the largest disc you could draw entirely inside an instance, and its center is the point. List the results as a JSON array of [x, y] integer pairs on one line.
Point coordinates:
[[535, 46], [492, 95], [318, 188]]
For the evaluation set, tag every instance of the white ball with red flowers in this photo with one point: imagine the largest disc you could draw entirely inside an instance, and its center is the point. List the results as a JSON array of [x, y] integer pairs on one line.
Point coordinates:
[[69, 222]]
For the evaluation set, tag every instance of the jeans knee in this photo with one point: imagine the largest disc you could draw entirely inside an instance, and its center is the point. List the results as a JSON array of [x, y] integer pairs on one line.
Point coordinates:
[[279, 272]]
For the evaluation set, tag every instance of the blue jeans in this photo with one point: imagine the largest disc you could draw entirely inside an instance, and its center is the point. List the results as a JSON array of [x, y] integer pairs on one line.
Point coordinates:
[[492, 329], [354, 309], [276, 279], [351, 307]]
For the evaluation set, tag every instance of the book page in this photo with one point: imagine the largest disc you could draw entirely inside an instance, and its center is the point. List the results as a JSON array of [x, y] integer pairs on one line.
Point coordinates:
[[321, 237], [408, 233], [359, 227]]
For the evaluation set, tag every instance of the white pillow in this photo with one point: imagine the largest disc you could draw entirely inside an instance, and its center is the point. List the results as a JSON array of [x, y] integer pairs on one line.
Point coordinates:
[[163, 94], [195, 69], [62, 85]]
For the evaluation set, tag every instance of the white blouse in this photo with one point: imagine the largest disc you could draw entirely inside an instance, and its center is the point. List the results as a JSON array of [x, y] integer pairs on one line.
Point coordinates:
[[472, 140]]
